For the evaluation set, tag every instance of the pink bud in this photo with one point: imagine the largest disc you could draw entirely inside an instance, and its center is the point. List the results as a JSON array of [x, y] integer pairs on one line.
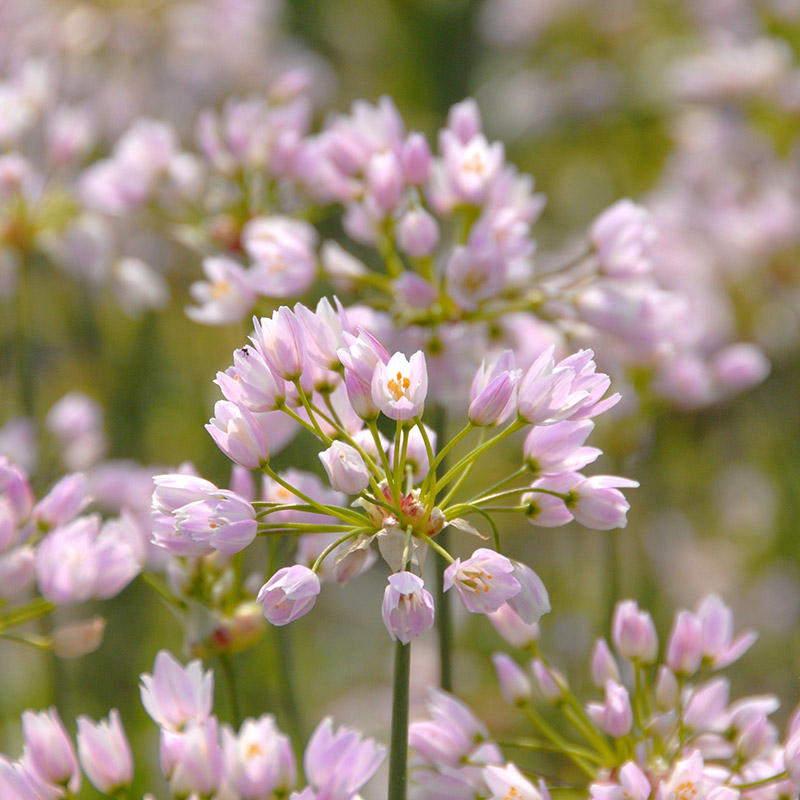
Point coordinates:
[[407, 608], [634, 633], [346, 469], [289, 594], [604, 667], [385, 180], [550, 682], [239, 435], [508, 624], [514, 683], [49, 754], [415, 158], [105, 753], [615, 716], [685, 645], [417, 233]]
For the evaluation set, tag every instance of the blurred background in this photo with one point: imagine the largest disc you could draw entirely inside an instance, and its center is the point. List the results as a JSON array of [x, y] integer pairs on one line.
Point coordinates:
[[693, 107]]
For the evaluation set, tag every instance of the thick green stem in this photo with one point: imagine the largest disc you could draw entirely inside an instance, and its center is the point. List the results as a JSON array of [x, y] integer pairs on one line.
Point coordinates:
[[398, 756], [444, 617]]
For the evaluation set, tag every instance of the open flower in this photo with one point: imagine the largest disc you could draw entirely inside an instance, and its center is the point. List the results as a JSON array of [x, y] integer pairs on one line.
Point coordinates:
[[399, 387]]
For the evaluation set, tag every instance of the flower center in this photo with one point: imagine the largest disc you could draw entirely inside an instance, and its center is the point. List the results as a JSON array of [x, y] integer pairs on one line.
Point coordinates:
[[685, 791], [398, 385]]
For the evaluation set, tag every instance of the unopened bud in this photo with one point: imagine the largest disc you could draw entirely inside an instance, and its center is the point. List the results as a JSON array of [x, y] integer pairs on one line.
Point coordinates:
[[550, 682], [78, 638], [514, 683]]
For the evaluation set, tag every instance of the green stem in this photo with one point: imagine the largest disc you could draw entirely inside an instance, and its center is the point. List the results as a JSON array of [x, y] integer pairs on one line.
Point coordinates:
[[25, 361], [38, 607], [335, 511], [473, 455], [288, 692], [557, 739], [398, 756], [444, 614], [233, 693]]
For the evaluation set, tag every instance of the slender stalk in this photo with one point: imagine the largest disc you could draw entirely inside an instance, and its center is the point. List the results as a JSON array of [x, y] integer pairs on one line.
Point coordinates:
[[233, 692], [288, 692], [398, 756], [444, 613]]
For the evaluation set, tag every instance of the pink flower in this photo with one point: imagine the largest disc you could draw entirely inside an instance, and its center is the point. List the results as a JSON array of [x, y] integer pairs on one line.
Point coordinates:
[[508, 781], [80, 560], [346, 469], [223, 521], [399, 387], [559, 447], [282, 249], [417, 233], [407, 608], [192, 759], [339, 763], [597, 503], [634, 633], [225, 297], [173, 695], [492, 394], [49, 754], [280, 339], [615, 716], [289, 594], [624, 236], [531, 603], [239, 435], [685, 645], [258, 761], [105, 753], [717, 623], [603, 665], [64, 501], [484, 581], [514, 683], [508, 624], [250, 382]]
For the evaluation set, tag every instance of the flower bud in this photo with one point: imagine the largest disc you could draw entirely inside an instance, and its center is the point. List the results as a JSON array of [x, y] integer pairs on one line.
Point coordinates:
[[105, 753], [77, 638], [346, 469], [550, 682], [685, 645], [634, 633], [604, 667], [289, 594], [407, 608], [514, 683]]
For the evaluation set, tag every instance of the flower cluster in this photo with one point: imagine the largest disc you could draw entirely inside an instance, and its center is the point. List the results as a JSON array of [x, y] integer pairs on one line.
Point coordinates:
[[337, 383], [69, 553], [199, 757], [662, 729]]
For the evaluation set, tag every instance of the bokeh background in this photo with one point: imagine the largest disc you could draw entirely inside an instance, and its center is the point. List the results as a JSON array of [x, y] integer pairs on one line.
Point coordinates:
[[597, 99]]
